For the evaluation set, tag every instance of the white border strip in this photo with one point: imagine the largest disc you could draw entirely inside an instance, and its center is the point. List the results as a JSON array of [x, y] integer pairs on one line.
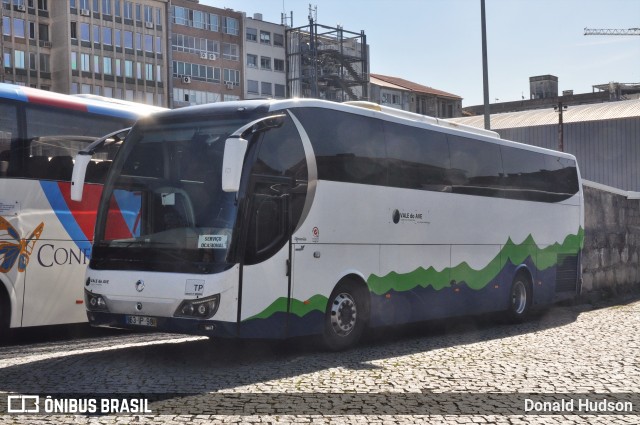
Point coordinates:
[[599, 186]]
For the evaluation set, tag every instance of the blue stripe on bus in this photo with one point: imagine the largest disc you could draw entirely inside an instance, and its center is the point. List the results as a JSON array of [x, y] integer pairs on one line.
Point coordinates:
[[111, 111], [63, 213], [8, 91]]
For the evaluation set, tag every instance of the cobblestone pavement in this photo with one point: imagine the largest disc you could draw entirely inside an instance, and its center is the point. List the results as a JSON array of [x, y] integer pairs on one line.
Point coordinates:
[[460, 372]]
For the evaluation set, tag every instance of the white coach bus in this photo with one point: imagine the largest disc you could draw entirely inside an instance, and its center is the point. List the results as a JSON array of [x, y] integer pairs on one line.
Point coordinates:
[[45, 238], [273, 219]]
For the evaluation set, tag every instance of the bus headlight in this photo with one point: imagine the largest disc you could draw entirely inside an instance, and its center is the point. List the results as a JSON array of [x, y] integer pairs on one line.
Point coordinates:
[[202, 308], [95, 302]]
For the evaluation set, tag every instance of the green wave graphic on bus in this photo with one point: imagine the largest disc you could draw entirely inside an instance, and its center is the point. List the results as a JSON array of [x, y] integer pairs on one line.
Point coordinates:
[[299, 308], [543, 258]]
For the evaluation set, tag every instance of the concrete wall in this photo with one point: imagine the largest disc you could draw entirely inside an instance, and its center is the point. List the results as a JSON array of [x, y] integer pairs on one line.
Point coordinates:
[[610, 260]]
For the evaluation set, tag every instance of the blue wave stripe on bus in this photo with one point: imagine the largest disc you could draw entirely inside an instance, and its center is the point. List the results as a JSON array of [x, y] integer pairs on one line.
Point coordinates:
[[9, 91], [64, 214], [111, 111]]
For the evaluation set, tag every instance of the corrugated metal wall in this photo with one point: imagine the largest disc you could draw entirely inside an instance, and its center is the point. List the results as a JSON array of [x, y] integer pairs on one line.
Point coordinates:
[[607, 150]]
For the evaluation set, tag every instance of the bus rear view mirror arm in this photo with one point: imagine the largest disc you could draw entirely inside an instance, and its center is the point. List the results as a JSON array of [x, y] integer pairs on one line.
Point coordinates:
[[83, 158], [235, 149], [80, 164]]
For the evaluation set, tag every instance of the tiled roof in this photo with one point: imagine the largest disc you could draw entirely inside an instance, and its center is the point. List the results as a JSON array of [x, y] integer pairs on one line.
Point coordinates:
[[414, 87]]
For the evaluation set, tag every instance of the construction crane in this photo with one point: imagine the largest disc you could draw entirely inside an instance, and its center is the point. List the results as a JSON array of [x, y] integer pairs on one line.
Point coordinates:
[[610, 31]]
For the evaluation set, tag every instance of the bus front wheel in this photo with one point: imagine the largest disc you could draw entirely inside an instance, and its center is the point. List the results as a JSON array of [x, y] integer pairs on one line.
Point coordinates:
[[520, 298], [346, 316]]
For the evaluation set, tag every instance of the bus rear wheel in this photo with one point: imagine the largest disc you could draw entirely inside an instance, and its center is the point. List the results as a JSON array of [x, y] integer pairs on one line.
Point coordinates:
[[346, 316], [520, 299]]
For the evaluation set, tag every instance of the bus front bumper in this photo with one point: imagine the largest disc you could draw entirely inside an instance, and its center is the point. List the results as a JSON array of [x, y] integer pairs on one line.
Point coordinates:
[[163, 324]]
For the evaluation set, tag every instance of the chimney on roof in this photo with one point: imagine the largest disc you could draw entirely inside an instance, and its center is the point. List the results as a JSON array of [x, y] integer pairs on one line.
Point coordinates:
[[257, 16], [543, 86]]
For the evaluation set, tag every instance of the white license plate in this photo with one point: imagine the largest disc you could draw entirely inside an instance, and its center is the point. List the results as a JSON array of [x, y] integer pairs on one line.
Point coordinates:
[[141, 321]]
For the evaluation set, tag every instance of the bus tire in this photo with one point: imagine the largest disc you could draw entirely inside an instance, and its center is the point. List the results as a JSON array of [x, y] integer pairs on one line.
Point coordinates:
[[520, 298], [346, 316]]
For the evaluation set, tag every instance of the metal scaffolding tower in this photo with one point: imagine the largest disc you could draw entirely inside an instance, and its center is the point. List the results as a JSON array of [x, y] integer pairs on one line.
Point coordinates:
[[327, 63]]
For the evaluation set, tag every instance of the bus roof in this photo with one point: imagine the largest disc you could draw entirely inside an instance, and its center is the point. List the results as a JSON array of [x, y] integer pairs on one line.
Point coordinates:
[[91, 104]]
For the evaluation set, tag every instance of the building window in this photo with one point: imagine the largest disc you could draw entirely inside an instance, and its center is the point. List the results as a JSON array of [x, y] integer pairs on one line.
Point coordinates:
[[265, 37], [148, 43], [265, 89], [118, 67], [279, 90], [96, 64], [106, 66], [278, 40], [32, 30], [128, 10], [85, 65], [148, 71], [128, 40], [158, 16], [85, 32], [138, 12], [96, 34], [19, 59], [252, 87], [86, 89], [128, 69], [116, 5], [6, 25], [148, 14], [106, 7], [252, 61], [96, 6], [232, 76], [107, 36], [198, 19], [117, 39], [252, 34], [74, 61], [159, 45], [33, 65], [230, 26], [265, 62], [230, 51], [214, 22], [42, 5], [74, 30], [6, 58], [108, 92], [278, 65], [159, 73], [18, 28]]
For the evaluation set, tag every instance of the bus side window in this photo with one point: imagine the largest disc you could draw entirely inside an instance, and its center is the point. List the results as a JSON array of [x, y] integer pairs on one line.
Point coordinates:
[[60, 168], [8, 137]]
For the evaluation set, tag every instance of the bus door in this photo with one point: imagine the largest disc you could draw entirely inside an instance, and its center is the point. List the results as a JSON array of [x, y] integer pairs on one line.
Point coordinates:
[[265, 284]]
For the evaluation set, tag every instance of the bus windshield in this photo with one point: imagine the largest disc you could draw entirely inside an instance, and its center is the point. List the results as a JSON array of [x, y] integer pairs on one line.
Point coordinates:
[[165, 206]]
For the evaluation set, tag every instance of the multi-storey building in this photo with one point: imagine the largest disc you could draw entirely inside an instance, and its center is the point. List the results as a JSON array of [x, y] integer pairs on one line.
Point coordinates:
[[409, 96], [206, 52], [265, 75], [26, 43], [113, 48]]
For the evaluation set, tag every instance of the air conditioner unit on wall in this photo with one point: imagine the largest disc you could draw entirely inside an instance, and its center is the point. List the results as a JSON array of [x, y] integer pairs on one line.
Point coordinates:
[[203, 55], [148, 24], [212, 56], [186, 79], [85, 12], [21, 8], [229, 85]]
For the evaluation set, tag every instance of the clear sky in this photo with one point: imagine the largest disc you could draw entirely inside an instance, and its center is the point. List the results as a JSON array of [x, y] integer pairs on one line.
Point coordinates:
[[437, 43]]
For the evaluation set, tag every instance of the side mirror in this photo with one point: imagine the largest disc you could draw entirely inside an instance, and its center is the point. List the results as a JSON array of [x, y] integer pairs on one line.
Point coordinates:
[[77, 177], [235, 149]]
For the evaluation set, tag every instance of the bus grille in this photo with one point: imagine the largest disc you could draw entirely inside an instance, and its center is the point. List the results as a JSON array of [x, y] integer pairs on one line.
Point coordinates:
[[567, 273]]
